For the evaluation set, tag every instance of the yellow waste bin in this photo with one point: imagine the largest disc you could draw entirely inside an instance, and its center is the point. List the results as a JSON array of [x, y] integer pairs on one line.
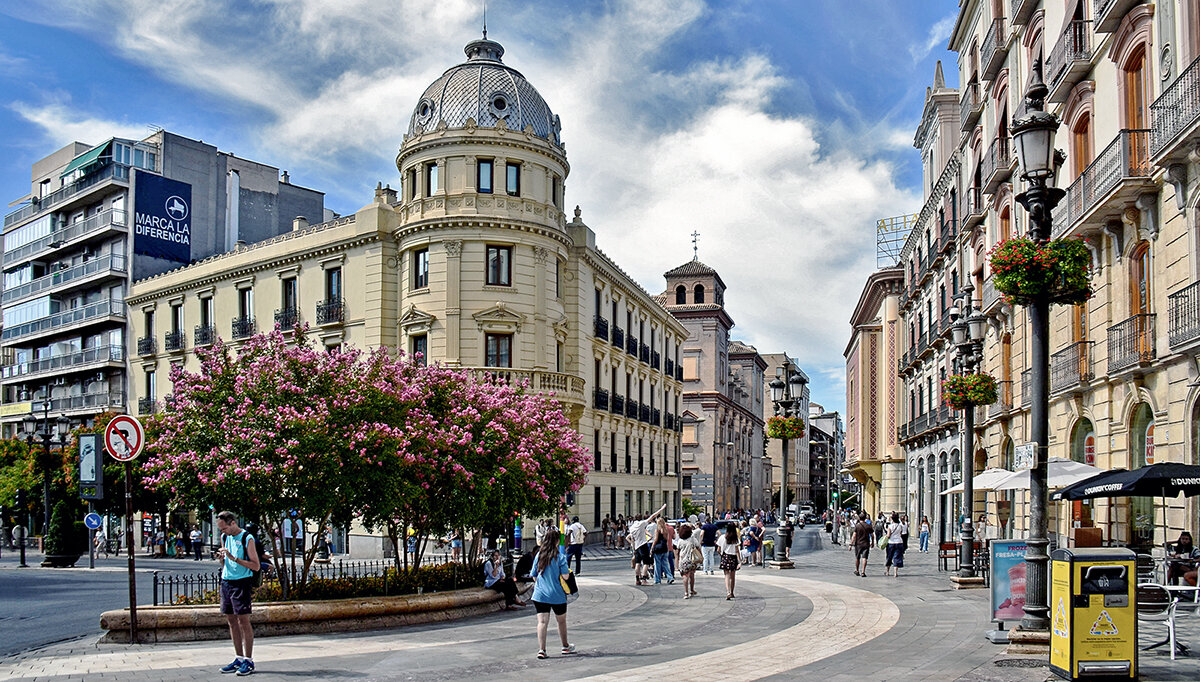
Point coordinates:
[[1093, 613]]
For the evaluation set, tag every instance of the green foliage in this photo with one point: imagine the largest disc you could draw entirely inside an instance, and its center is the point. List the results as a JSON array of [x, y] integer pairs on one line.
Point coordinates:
[[18, 469], [961, 391], [63, 536], [690, 507]]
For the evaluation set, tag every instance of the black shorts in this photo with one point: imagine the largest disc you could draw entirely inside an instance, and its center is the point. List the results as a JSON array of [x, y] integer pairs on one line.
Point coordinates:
[[543, 607], [642, 555], [235, 596], [862, 551]]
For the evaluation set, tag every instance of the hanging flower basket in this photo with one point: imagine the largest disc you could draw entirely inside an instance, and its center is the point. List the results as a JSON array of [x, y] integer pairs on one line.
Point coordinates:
[[961, 391], [1023, 270], [785, 427]]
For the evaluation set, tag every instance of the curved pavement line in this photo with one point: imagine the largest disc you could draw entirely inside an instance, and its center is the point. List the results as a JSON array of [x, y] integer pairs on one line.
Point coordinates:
[[842, 618]]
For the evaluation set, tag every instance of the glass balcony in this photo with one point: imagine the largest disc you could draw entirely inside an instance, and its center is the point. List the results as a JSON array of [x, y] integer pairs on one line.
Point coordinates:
[[1174, 115], [71, 361], [113, 264], [65, 319], [1131, 343], [90, 401], [113, 171], [1183, 315], [97, 224]]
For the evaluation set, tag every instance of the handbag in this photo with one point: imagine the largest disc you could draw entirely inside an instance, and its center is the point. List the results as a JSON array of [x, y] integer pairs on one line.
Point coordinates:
[[883, 541], [568, 583]]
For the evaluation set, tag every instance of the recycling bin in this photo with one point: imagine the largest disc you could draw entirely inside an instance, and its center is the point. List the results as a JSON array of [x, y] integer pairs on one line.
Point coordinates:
[[1093, 613]]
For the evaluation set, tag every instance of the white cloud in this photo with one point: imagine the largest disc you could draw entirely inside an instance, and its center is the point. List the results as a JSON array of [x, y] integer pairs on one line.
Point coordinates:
[[63, 124], [939, 34]]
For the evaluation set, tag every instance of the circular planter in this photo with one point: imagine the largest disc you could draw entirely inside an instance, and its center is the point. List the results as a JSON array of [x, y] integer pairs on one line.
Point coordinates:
[[60, 560]]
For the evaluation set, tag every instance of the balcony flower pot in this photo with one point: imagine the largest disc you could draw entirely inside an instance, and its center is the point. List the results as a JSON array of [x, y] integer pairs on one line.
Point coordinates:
[[963, 391], [785, 427], [1059, 270]]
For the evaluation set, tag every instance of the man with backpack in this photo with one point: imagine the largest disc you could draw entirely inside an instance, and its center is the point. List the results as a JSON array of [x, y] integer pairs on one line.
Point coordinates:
[[239, 572]]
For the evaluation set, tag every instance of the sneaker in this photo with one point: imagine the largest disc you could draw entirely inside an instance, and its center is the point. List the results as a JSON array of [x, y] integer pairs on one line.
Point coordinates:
[[541, 653], [232, 667], [247, 668], [568, 649]]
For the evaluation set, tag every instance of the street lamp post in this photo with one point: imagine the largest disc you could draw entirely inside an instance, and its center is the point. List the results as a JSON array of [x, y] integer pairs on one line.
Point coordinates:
[[968, 330], [787, 397], [42, 429], [1033, 136]]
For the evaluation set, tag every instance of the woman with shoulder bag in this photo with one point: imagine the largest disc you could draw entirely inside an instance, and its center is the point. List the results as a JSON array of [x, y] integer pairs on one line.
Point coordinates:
[[548, 593], [690, 558], [729, 545]]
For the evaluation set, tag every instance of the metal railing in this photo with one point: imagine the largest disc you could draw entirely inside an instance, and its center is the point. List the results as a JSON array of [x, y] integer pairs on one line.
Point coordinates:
[[631, 409], [90, 400], [146, 345], [99, 222], [146, 405], [1176, 109], [287, 318], [654, 359], [1183, 315], [678, 372], [204, 334], [644, 353], [669, 367], [995, 45], [1074, 45], [644, 413], [1127, 156], [601, 328], [600, 399], [1004, 400], [971, 106], [69, 361], [946, 235], [997, 163], [174, 341], [618, 337], [631, 345], [111, 263], [1021, 10], [617, 405], [972, 206], [65, 319], [1131, 342], [1026, 388], [331, 311], [114, 171], [242, 327], [1071, 366]]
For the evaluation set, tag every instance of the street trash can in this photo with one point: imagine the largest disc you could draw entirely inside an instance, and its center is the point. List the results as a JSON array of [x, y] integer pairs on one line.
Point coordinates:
[[1093, 613]]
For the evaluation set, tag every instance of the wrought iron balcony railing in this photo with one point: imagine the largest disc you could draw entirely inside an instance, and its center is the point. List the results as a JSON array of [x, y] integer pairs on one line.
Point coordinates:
[[618, 337], [1071, 367], [286, 318], [600, 399], [331, 311], [601, 328], [1176, 111], [1183, 315], [204, 334], [971, 105], [1131, 343], [1070, 59], [146, 346], [1125, 158], [146, 406], [242, 327], [174, 341], [617, 406], [995, 48]]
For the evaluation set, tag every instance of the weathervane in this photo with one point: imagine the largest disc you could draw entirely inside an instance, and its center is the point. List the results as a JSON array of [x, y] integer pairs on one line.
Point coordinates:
[[695, 248]]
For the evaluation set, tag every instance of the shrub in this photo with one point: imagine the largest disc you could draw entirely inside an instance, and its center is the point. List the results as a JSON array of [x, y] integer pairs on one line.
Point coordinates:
[[1059, 270]]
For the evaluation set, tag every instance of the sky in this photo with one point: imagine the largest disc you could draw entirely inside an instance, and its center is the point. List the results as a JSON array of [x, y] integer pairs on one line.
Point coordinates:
[[779, 130]]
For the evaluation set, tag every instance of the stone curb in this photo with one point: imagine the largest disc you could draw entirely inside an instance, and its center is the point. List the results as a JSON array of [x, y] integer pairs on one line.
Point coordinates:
[[196, 623]]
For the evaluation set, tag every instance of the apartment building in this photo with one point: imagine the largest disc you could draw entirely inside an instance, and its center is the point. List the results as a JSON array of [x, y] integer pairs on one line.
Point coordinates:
[[97, 217]]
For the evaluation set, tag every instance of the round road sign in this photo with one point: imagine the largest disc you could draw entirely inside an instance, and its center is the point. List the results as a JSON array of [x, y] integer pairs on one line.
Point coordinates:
[[124, 438], [92, 520]]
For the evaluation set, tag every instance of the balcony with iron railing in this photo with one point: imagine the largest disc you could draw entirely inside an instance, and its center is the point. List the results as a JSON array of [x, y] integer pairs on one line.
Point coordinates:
[[971, 106], [146, 406], [618, 337], [946, 236], [1070, 60], [1183, 315], [204, 334], [997, 164], [64, 320], [600, 328], [1102, 192], [631, 345], [331, 311], [174, 341], [1071, 367], [600, 399], [669, 367], [654, 359], [1109, 13], [655, 417], [1004, 400], [644, 413], [242, 327], [1021, 11], [617, 405], [68, 235], [1131, 343], [77, 361], [995, 48], [287, 318], [146, 346], [973, 209], [631, 409], [644, 353], [113, 171], [1174, 117], [678, 372], [112, 265]]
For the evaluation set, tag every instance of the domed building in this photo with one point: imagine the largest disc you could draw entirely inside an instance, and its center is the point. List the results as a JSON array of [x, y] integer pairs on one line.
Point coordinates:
[[473, 263]]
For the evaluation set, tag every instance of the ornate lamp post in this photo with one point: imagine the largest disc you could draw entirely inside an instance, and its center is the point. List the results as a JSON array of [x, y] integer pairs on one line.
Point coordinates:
[[42, 428], [787, 397], [968, 330], [1033, 136]]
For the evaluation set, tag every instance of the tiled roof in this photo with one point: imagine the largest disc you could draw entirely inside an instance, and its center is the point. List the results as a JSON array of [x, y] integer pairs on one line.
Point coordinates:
[[692, 267]]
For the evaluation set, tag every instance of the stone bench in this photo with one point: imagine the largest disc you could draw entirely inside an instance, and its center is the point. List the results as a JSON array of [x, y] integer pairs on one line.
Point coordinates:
[[195, 623]]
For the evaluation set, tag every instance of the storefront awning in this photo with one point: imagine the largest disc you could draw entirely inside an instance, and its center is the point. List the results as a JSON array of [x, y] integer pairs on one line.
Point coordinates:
[[87, 158]]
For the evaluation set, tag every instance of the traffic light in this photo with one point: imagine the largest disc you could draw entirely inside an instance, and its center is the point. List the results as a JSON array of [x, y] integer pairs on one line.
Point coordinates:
[[835, 494], [20, 499]]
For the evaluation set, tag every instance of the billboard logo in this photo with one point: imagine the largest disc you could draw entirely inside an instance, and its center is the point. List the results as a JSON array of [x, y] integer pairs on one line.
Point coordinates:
[[177, 208]]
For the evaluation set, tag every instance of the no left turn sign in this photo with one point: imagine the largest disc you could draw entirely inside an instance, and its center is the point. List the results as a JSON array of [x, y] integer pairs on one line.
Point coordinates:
[[124, 438]]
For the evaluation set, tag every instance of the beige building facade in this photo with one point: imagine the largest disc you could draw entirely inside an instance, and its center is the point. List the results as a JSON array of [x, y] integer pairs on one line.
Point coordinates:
[[473, 264]]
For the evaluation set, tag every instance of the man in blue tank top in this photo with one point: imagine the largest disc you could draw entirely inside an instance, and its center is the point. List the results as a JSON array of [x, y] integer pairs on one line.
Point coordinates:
[[239, 557]]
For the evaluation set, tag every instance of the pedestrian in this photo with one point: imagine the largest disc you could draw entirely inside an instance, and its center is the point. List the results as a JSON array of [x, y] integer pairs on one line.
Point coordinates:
[[494, 578], [620, 526], [548, 593], [606, 528], [760, 534], [660, 548], [329, 540], [456, 545], [896, 531], [672, 534], [837, 527], [708, 546], [197, 542], [239, 555], [729, 545], [576, 534], [861, 541], [539, 531], [923, 528], [904, 520], [981, 528], [639, 539], [690, 558]]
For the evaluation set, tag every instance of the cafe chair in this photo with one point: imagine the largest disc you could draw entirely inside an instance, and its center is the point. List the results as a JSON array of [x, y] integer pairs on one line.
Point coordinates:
[[1155, 604], [1146, 569]]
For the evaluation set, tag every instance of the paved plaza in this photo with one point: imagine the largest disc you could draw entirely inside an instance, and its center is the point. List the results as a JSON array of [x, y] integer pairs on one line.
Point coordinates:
[[816, 622]]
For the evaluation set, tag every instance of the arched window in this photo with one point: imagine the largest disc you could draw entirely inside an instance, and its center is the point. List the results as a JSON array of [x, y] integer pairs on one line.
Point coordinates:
[[1083, 450], [1141, 438], [1139, 279], [680, 295], [698, 294]]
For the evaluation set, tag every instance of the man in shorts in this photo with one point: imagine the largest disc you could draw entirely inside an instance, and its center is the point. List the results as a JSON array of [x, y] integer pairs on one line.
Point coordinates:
[[639, 539], [861, 542], [239, 556]]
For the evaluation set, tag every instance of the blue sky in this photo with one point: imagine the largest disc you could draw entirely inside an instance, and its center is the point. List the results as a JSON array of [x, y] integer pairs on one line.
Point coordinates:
[[780, 130]]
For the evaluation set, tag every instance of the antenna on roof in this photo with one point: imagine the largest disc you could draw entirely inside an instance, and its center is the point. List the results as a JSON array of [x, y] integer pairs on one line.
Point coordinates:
[[695, 248], [485, 19]]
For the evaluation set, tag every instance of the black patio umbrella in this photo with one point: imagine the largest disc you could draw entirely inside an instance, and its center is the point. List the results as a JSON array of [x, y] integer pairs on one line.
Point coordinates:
[[1168, 479]]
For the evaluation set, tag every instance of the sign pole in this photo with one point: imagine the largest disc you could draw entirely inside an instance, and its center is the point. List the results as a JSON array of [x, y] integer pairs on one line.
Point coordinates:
[[91, 540], [129, 550]]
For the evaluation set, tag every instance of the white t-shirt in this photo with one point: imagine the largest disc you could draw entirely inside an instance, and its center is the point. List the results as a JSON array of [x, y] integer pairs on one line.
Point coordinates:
[[896, 532], [637, 531], [576, 532], [726, 547]]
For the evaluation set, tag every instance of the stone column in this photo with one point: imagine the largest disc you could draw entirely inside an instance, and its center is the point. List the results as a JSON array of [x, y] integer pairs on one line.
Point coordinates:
[[453, 301]]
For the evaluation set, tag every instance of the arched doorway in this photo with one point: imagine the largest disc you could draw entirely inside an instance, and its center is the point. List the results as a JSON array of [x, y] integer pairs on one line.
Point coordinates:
[[1083, 450], [1141, 509]]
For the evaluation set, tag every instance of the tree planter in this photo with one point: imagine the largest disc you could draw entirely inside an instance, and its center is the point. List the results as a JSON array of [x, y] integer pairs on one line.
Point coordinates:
[[1059, 270], [962, 391], [60, 560]]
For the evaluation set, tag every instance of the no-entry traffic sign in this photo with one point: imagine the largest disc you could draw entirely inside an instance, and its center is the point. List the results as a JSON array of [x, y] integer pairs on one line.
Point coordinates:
[[124, 438]]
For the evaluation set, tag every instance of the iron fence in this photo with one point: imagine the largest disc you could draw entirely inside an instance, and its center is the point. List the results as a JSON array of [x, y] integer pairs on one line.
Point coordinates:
[[1183, 310], [1131, 342], [1176, 109]]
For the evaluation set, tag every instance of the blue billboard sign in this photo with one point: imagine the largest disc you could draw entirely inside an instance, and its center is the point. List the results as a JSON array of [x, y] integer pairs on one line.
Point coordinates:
[[162, 217]]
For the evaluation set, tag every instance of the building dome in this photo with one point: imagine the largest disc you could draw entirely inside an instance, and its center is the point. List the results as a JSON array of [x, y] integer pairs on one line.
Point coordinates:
[[484, 89]]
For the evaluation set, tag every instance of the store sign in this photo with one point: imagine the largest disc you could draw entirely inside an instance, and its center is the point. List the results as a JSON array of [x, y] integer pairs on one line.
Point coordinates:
[[162, 217], [1089, 449]]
